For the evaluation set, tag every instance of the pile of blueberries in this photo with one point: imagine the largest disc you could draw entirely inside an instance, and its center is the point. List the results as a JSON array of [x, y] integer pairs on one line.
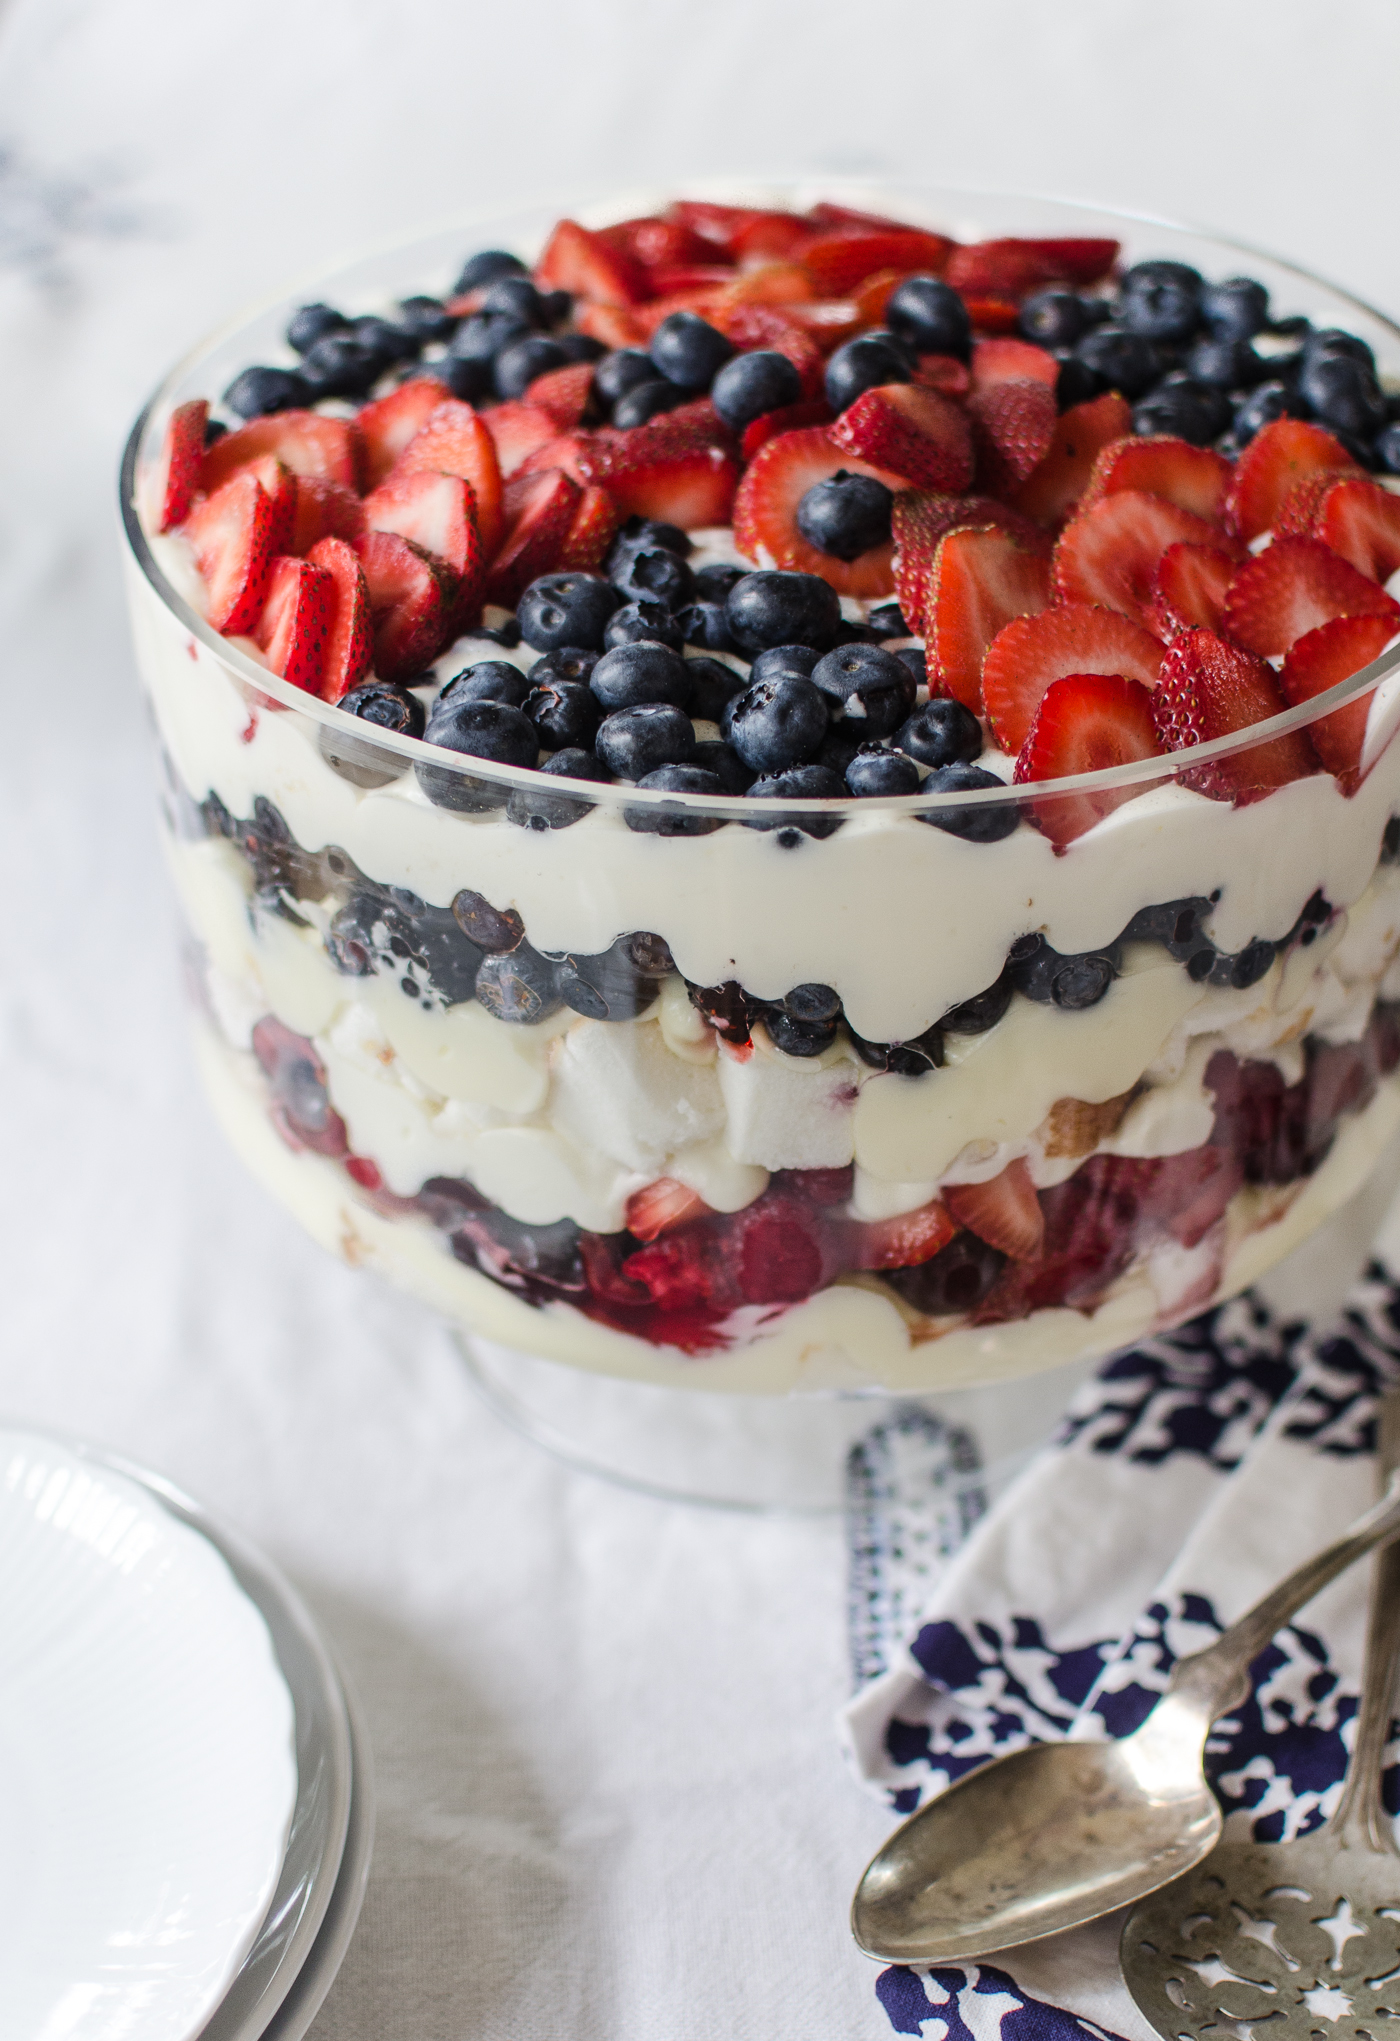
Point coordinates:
[[823, 711]]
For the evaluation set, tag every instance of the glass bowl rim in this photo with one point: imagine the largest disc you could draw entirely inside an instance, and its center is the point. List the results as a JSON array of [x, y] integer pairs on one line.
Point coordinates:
[[1139, 775]]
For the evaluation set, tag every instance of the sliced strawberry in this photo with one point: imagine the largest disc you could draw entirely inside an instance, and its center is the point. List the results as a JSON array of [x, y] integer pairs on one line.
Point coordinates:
[[659, 1206], [1012, 361], [915, 433], [725, 227], [587, 266], [751, 326], [994, 315], [280, 487], [177, 472], [1319, 660], [295, 625], [657, 243], [828, 322], [1014, 267], [826, 217], [979, 581], [390, 423], [1278, 457], [1293, 586], [1210, 689], [614, 325], [650, 316], [943, 372], [1189, 589], [590, 536], [304, 441], [873, 296], [1194, 478], [1005, 1211], [1050, 492], [838, 262], [1108, 554], [517, 430], [456, 441], [568, 451], [789, 418], [1028, 654], [905, 1240], [539, 511], [349, 644], [765, 512], [771, 283], [1086, 722], [667, 279], [1361, 521], [563, 393], [1300, 505], [324, 510], [681, 468], [231, 532], [438, 513], [921, 520], [410, 598], [1013, 429]]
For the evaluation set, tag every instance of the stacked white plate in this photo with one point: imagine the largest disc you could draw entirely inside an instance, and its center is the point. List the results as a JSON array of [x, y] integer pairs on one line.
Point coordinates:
[[186, 1804]]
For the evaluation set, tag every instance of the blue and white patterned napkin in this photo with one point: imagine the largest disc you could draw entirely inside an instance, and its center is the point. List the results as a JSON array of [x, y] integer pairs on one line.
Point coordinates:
[[1188, 1475]]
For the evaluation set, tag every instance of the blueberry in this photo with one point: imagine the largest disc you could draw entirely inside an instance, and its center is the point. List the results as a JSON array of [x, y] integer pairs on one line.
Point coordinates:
[[623, 370], [490, 928], [1159, 270], [773, 607], [1160, 311], [649, 573], [713, 686], [567, 609], [887, 620], [556, 307], [976, 1015], [726, 765], [533, 808], [643, 623], [1053, 318], [942, 732], [785, 662], [383, 338], [665, 821], [485, 268], [489, 730], [214, 428], [873, 687], [864, 364], [490, 680], [776, 724], [797, 1037], [647, 400], [1076, 382], [634, 742], [518, 985], [310, 322], [641, 532], [518, 365], [1388, 449], [581, 346], [1074, 982], [259, 390], [954, 1281], [469, 364], [387, 706], [930, 317], [977, 824], [565, 712], [802, 783], [1125, 361], [705, 624], [917, 662], [618, 984], [469, 380], [427, 319], [1271, 400], [846, 515], [341, 365], [631, 674], [840, 745], [1331, 340], [1236, 309], [689, 351], [1343, 393], [566, 663], [1193, 411], [712, 584], [874, 771], [754, 383], [515, 297]]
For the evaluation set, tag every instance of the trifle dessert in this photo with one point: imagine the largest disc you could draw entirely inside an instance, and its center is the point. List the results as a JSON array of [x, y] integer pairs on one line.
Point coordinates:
[[790, 794]]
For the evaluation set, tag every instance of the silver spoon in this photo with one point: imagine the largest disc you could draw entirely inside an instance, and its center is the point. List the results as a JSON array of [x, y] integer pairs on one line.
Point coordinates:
[[1300, 1935], [1058, 1834]]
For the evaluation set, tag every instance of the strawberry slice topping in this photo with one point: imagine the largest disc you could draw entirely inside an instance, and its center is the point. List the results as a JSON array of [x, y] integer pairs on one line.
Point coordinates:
[[295, 624], [915, 433], [659, 1206], [1012, 361], [921, 521], [540, 511], [390, 423], [589, 266], [280, 487], [304, 441], [838, 262], [177, 472], [1361, 521], [658, 243], [788, 418], [1011, 267], [349, 645], [614, 325], [681, 468], [410, 598], [1300, 505], [1282, 454], [765, 512], [231, 533], [905, 1240], [1109, 553], [979, 581], [563, 393], [1028, 654], [590, 536], [439, 514], [1013, 429], [1193, 477], [456, 441], [1086, 723], [1050, 492], [1004, 1211], [1319, 660], [1210, 689], [1189, 589], [943, 372], [1293, 586], [517, 430], [324, 510]]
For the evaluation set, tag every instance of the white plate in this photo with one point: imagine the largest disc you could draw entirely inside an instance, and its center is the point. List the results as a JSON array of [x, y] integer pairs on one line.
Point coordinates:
[[148, 1773]]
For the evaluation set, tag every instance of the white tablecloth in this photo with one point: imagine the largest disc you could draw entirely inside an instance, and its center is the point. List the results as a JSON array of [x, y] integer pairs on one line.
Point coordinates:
[[607, 1808]]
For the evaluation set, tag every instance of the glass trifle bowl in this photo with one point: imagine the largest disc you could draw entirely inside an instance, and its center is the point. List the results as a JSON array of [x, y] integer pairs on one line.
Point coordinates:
[[796, 1090]]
